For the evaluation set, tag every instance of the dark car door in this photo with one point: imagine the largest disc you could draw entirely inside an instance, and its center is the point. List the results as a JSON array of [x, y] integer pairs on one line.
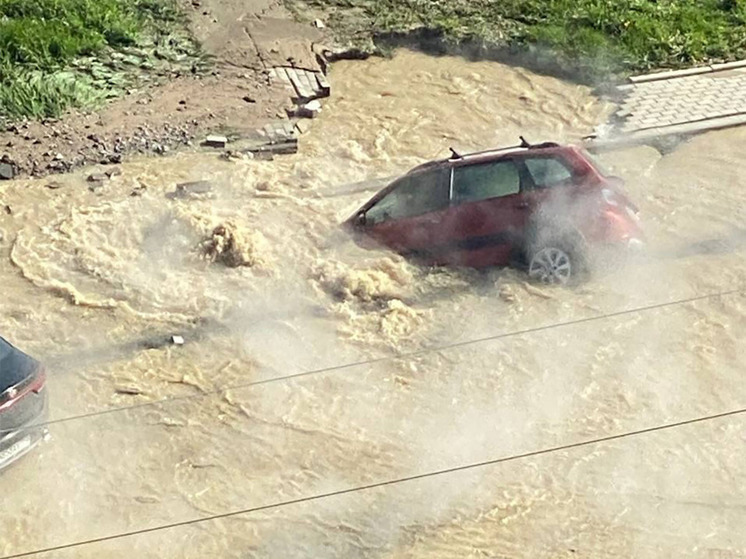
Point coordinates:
[[486, 215], [408, 218]]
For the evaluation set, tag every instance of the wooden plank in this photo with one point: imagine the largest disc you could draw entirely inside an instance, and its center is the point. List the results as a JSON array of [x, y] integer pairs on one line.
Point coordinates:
[[310, 80], [304, 94], [280, 148], [324, 86]]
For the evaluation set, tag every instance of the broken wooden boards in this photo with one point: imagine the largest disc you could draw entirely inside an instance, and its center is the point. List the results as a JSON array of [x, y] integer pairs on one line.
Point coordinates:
[[307, 85]]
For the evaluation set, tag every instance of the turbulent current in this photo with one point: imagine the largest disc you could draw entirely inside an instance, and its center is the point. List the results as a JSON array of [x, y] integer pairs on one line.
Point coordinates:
[[259, 281]]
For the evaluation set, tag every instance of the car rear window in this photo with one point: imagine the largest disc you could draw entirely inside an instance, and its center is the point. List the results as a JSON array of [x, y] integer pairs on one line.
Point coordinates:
[[413, 195], [473, 183], [547, 171], [5, 349]]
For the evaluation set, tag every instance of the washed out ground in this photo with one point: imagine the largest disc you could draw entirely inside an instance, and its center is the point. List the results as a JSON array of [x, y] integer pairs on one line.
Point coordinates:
[[258, 280], [176, 104]]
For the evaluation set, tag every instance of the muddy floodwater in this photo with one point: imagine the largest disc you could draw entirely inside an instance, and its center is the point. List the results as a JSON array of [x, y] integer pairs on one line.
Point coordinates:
[[259, 282]]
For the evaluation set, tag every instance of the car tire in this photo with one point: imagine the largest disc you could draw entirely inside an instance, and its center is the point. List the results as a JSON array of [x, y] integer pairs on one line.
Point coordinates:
[[557, 258]]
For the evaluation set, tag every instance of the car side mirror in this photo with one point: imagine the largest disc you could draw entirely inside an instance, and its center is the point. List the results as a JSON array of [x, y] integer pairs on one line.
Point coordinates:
[[360, 219]]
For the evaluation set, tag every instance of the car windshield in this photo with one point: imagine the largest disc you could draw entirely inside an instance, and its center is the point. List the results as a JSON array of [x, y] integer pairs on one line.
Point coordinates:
[[413, 195], [593, 160]]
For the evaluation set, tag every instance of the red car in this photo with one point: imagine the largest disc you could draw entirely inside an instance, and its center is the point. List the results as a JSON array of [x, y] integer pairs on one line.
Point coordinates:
[[542, 207]]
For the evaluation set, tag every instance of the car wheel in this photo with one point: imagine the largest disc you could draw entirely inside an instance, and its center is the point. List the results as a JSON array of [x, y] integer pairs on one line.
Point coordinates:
[[552, 265]]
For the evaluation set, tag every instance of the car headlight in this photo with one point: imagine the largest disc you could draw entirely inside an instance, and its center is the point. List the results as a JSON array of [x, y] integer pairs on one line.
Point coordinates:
[[609, 197], [633, 214]]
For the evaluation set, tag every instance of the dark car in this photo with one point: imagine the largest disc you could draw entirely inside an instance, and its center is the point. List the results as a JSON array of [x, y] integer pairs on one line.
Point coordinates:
[[23, 403], [542, 207]]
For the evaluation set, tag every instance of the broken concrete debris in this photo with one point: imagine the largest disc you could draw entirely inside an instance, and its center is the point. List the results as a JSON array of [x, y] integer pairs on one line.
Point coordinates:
[[193, 189], [309, 110], [215, 141], [6, 171], [97, 177], [129, 390]]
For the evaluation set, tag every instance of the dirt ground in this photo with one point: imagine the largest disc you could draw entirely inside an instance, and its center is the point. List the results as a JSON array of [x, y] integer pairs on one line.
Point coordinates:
[[243, 38]]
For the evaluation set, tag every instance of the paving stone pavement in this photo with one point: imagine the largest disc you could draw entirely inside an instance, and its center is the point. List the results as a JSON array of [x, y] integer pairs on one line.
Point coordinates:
[[678, 102]]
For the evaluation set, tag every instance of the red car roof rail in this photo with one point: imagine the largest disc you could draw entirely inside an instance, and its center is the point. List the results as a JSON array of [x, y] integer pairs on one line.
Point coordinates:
[[525, 144]]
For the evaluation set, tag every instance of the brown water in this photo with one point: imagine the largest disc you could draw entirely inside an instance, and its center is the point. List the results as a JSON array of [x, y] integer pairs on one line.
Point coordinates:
[[93, 282]]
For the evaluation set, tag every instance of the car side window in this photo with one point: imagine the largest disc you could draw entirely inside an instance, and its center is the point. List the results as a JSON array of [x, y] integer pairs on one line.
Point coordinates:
[[547, 171], [413, 195], [472, 183]]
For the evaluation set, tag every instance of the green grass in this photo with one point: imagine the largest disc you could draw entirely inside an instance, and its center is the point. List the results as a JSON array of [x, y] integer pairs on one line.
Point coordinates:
[[594, 37], [41, 39]]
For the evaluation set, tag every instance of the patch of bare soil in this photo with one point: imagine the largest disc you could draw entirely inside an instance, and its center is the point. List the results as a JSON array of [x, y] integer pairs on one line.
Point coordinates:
[[244, 38]]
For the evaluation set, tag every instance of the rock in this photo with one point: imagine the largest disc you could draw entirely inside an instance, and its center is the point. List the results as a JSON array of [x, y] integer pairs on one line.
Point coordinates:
[[59, 157], [249, 99], [116, 171], [303, 126], [191, 189], [318, 24], [177, 340], [129, 390], [112, 158], [97, 177], [215, 141], [7, 209], [54, 185], [6, 171]]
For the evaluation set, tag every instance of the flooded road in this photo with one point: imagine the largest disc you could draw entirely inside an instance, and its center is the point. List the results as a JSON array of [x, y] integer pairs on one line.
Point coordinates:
[[257, 279]]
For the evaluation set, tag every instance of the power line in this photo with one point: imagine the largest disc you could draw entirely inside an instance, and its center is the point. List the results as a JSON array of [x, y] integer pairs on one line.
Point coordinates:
[[395, 481], [385, 358]]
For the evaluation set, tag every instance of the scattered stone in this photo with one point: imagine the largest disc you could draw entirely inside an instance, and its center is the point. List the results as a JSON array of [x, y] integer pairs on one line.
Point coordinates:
[[249, 99], [191, 189], [182, 102], [8, 210], [59, 157], [177, 340], [318, 24], [216, 141], [116, 171], [6, 171], [303, 126], [97, 177], [146, 500], [128, 390], [112, 158], [138, 190], [54, 185]]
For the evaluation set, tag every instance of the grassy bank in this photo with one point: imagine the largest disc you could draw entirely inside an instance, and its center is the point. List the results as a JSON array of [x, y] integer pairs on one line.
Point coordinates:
[[591, 38], [50, 50]]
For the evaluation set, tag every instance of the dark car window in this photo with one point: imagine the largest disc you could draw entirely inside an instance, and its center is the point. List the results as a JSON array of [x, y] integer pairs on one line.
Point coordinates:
[[487, 180], [547, 171], [15, 365], [5, 348], [411, 196]]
